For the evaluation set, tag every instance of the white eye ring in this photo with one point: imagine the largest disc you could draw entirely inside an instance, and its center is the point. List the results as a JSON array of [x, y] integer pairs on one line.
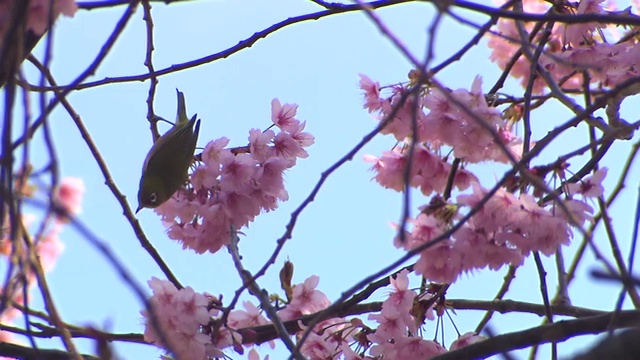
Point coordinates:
[[153, 197]]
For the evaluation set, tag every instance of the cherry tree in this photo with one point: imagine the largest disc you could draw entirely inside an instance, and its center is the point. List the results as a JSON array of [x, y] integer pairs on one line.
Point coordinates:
[[496, 175]]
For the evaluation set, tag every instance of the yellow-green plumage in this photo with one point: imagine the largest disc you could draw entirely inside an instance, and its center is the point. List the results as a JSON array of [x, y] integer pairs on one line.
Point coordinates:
[[166, 165]]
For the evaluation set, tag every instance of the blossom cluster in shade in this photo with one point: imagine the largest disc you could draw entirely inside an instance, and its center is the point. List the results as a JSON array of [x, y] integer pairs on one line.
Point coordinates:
[[38, 13], [181, 315], [48, 246], [187, 319], [569, 47], [230, 188], [188, 322], [508, 227]]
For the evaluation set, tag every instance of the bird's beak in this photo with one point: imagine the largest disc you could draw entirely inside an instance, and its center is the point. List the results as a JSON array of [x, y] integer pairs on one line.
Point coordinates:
[[139, 208]]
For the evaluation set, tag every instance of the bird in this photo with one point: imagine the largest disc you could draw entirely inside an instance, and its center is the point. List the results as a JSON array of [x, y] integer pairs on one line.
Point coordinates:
[[165, 168]]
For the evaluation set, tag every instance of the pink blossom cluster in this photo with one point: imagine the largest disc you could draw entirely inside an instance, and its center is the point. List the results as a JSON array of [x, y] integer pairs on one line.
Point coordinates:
[[508, 227], [397, 334], [68, 196], [570, 48], [326, 340], [230, 188], [38, 14], [335, 338], [181, 316], [504, 231], [429, 172], [188, 319], [460, 119], [305, 300], [48, 245]]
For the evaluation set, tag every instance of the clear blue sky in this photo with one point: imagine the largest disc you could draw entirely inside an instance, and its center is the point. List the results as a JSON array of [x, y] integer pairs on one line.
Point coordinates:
[[344, 234]]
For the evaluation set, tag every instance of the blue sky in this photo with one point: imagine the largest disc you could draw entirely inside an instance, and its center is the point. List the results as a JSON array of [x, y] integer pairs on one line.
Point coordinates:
[[344, 234]]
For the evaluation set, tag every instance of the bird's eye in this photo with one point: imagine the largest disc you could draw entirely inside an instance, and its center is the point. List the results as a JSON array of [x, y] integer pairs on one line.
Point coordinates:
[[153, 197]]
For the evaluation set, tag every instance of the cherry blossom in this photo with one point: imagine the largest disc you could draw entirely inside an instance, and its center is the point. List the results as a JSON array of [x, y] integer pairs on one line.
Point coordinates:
[[319, 346], [465, 340], [68, 196], [590, 186], [410, 347], [253, 355], [401, 297], [50, 247], [249, 317], [372, 101], [582, 34], [38, 19], [283, 116], [305, 300]]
